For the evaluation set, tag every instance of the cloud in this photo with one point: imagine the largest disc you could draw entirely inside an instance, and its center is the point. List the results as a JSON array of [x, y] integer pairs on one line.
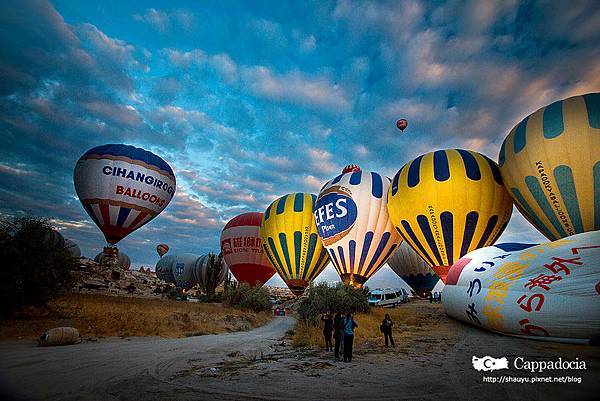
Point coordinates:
[[165, 21], [249, 103], [296, 88]]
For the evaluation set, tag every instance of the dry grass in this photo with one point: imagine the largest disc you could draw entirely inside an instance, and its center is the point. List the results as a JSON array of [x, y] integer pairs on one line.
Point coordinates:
[[107, 316], [410, 321]]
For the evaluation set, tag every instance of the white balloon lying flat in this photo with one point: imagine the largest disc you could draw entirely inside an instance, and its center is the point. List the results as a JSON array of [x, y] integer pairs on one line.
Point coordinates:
[[549, 291]]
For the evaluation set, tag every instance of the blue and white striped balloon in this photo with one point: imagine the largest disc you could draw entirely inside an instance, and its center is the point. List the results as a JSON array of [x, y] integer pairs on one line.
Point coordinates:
[[354, 225], [122, 188]]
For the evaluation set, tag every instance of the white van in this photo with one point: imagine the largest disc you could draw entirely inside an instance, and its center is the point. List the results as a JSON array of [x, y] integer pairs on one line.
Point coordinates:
[[387, 297]]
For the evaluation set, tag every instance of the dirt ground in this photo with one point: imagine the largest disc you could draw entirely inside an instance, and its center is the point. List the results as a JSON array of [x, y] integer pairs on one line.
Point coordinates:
[[431, 361]]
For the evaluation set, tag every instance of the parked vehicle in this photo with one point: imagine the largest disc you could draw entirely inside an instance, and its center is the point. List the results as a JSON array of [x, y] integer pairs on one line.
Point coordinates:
[[388, 297]]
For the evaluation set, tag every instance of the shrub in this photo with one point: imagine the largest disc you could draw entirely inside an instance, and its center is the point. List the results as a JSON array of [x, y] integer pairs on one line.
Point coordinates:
[[323, 298], [35, 268], [176, 294], [248, 298]]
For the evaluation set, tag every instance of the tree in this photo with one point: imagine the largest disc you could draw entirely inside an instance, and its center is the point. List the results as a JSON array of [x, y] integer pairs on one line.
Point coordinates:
[[36, 266]]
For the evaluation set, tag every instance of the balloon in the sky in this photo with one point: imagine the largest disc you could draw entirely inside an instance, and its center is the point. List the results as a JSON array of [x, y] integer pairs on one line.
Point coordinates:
[[164, 268], [550, 163], [242, 249], [401, 124], [350, 168], [183, 270], [448, 203], [206, 278], [353, 223], [290, 239], [121, 259], [122, 188], [161, 249], [548, 291], [411, 268]]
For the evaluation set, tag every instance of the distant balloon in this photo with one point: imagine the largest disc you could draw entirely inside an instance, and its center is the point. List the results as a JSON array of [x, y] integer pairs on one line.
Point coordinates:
[[72, 248], [242, 249], [164, 268], [401, 124], [411, 268], [122, 188], [53, 238], [183, 270], [161, 249], [290, 239], [448, 203], [123, 260], [547, 291], [550, 163], [350, 168], [206, 278], [353, 223]]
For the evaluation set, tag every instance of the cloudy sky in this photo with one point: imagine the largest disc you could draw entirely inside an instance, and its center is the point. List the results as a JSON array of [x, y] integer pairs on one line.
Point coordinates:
[[248, 100]]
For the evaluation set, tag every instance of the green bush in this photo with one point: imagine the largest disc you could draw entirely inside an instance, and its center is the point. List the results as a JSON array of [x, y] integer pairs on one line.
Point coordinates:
[[214, 298], [323, 298], [35, 269], [248, 298]]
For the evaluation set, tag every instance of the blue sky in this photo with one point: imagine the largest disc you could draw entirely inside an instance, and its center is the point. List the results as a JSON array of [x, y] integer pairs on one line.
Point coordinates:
[[248, 100]]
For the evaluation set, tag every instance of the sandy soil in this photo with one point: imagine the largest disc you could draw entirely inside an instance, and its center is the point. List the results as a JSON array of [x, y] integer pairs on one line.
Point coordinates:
[[433, 363]]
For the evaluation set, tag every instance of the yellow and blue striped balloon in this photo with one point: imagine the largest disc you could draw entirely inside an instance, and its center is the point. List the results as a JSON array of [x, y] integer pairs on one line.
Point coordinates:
[[290, 240], [447, 203], [550, 163]]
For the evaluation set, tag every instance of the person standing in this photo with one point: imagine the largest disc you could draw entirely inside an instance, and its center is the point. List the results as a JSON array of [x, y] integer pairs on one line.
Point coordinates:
[[386, 329], [348, 326], [327, 330], [337, 333]]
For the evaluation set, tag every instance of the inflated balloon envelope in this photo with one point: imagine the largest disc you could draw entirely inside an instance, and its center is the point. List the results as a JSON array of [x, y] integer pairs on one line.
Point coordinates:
[[447, 203], [290, 240], [122, 188], [549, 291], [243, 252], [550, 163], [353, 222]]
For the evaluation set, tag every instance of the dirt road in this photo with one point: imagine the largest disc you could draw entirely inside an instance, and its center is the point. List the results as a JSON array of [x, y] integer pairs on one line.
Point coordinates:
[[104, 370], [259, 365]]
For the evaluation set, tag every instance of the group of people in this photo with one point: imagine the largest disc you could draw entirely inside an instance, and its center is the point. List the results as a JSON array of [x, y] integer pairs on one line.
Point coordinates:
[[435, 297], [340, 329]]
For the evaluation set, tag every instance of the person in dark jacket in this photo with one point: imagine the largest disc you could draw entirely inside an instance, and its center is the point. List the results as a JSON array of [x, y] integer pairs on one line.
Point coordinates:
[[327, 330], [337, 333], [348, 326], [386, 329]]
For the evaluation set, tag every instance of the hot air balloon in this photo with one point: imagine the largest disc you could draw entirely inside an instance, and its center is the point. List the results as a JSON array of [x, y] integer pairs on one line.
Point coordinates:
[[548, 291], [411, 268], [354, 225], [109, 255], [401, 124], [183, 270], [161, 249], [350, 168], [242, 249], [290, 240], [164, 268], [550, 164], [72, 248], [122, 188], [209, 280], [448, 203]]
